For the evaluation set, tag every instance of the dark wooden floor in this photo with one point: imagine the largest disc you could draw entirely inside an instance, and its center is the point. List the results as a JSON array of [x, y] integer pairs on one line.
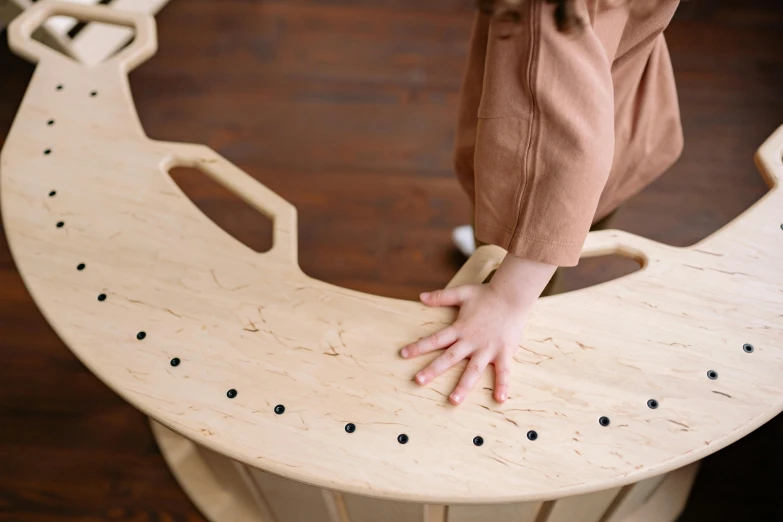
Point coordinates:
[[346, 108]]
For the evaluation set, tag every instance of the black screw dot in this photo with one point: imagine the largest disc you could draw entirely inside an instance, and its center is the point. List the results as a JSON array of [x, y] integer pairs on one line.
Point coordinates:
[[141, 335], [50, 122], [350, 427], [402, 438], [652, 404], [60, 224], [781, 226], [60, 87], [52, 193], [47, 151], [280, 409], [747, 348], [81, 266], [478, 441], [102, 297], [532, 435], [175, 361], [603, 421], [712, 374], [231, 393], [94, 93]]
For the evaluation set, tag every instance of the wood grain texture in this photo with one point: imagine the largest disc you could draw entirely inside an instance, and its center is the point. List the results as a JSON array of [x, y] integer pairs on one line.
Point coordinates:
[[72, 450], [235, 318], [227, 491]]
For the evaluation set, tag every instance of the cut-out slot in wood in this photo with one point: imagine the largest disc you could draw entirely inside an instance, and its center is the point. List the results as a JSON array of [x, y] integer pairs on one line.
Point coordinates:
[[88, 41], [592, 271], [224, 208]]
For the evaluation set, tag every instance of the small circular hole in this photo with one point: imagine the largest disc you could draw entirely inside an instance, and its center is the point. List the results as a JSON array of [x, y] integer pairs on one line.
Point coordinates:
[[231, 393], [102, 297], [175, 361], [532, 435], [350, 427], [603, 421], [141, 335], [50, 122], [81, 266], [712, 374], [60, 224], [748, 348], [94, 93], [478, 441], [52, 193], [402, 438], [652, 404], [60, 87], [781, 226], [280, 409], [47, 151]]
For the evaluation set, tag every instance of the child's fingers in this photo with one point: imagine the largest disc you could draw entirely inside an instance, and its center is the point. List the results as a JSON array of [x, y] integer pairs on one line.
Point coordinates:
[[446, 360], [470, 376], [502, 377], [440, 339], [446, 297]]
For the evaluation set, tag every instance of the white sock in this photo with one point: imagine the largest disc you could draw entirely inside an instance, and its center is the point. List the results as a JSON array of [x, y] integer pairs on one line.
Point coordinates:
[[464, 239]]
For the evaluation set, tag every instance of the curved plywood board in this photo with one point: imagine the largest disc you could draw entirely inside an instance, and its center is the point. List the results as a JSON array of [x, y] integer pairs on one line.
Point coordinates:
[[90, 190], [226, 491]]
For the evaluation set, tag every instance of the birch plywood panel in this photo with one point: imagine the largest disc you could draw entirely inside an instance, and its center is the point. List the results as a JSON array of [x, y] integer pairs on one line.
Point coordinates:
[[210, 480], [290, 501], [364, 509], [697, 330], [581, 508], [632, 498], [526, 512]]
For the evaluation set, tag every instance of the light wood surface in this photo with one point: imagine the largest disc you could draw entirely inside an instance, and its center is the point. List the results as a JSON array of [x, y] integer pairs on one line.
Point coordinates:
[[668, 501], [580, 508], [367, 509], [226, 491], [255, 323], [96, 42], [522, 512], [631, 497], [93, 43], [210, 480]]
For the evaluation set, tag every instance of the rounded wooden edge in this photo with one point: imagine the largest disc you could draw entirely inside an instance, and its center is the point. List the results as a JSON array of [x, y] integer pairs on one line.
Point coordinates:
[[215, 484], [595, 487]]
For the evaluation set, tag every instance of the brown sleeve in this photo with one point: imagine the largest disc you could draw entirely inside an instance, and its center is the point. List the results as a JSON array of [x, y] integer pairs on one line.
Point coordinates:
[[545, 138]]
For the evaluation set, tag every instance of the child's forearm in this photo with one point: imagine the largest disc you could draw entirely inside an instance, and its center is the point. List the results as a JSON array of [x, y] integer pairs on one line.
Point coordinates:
[[521, 281]]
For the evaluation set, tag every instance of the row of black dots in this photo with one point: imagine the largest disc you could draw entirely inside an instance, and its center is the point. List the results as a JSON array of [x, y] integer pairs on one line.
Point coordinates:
[[711, 374]]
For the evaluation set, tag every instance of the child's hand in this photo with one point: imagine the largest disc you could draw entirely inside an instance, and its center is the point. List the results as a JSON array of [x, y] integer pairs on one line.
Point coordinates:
[[488, 328]]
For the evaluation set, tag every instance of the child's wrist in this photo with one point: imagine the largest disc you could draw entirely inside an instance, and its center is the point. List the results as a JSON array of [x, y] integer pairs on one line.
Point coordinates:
[[520, 281]]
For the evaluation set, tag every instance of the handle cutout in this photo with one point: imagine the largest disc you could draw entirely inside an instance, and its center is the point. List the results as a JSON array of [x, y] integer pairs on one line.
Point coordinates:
[[42, 31], [224, 208]]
